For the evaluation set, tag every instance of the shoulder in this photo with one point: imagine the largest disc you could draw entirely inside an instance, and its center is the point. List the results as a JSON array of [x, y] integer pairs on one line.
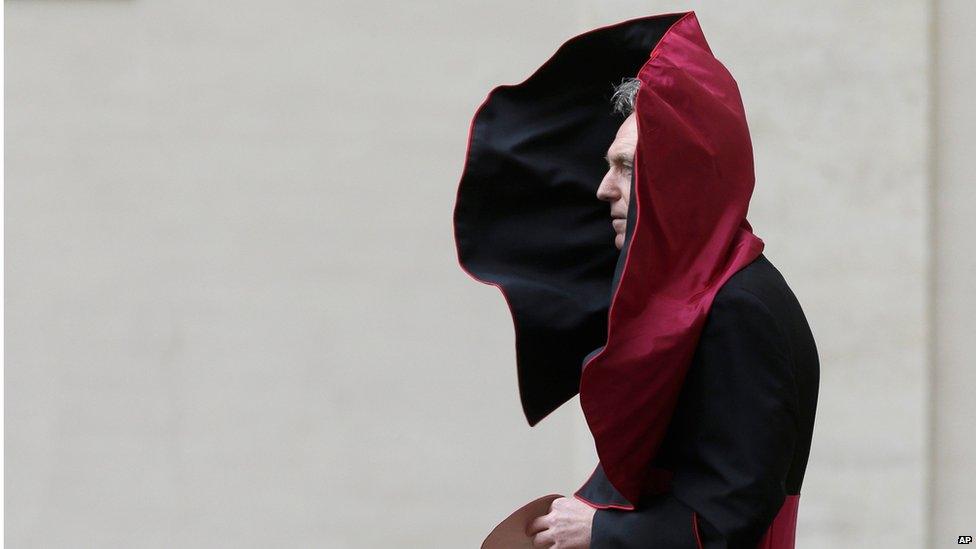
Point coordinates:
[[760, 278], [740, 309], [754, 291], [743, 348], [743, 319]]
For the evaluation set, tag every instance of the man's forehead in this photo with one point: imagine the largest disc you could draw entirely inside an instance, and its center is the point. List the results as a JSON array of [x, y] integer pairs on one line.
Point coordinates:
[[628, 126], [625, 141], [626, 134]]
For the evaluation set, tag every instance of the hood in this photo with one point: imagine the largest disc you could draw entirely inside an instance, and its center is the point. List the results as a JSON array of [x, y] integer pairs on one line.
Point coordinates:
[[618, 327]]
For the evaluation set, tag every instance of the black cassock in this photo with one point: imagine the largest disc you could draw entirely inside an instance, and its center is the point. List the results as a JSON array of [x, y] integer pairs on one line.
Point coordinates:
[[697, 371], [738, 443]]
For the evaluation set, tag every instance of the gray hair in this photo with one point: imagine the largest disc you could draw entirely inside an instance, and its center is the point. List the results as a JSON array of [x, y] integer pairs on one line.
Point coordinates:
[[625, 96]]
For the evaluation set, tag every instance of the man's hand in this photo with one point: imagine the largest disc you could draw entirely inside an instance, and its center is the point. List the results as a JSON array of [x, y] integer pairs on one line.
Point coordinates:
[[567, 526]]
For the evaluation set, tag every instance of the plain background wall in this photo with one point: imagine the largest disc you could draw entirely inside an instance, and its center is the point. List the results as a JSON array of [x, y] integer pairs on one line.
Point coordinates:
[[953, 511], [234, 313]]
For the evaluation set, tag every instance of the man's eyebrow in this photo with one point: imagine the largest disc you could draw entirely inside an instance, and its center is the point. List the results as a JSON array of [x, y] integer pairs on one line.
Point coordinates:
[[618, 158]]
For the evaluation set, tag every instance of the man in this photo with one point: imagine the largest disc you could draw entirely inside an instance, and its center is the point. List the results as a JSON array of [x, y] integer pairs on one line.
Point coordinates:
[[697, 371]]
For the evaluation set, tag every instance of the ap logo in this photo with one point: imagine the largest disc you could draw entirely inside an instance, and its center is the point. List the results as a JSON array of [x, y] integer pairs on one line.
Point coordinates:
[[964, 540]]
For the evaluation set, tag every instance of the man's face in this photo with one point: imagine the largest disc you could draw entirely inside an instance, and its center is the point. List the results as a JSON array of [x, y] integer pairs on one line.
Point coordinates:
[[615, 187]]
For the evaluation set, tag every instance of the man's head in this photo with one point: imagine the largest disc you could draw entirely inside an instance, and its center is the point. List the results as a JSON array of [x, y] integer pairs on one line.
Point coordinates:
[[615, 187]]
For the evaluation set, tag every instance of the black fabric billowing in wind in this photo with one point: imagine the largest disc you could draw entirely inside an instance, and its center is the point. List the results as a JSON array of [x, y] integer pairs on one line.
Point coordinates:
[[536, 152]]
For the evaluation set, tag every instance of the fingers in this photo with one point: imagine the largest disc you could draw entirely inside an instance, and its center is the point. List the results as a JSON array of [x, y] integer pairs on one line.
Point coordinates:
[[537, 525], [543, 540], [538, 528]]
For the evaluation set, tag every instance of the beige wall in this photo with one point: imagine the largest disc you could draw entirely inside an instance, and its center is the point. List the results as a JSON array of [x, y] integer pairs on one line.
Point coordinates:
[[235, 317], [953, 510]]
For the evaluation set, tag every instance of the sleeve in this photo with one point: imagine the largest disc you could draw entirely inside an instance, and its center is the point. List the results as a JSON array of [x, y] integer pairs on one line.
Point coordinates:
[[734, 434], [664, 523]]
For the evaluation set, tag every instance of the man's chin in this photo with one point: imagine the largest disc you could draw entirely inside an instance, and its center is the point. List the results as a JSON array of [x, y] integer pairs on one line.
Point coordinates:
[[618, 241]]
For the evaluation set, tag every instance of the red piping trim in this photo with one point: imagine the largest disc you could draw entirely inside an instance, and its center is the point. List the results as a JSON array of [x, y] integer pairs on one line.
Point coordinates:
[[598, 505], [601, 505], [694, 529]]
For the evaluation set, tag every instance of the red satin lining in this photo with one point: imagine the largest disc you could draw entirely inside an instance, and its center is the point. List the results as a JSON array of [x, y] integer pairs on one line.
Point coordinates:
[[782, 532]]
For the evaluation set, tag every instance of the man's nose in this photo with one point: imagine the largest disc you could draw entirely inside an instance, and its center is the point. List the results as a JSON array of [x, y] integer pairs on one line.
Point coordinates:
[[607, 191]]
